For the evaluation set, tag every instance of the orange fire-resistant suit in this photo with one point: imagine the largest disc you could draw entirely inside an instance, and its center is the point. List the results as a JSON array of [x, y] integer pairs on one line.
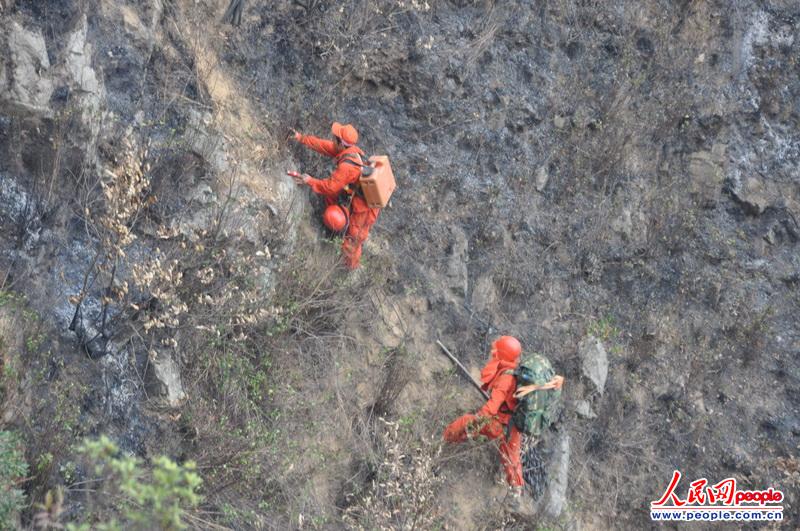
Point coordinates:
[[361, 216], [492, 419]]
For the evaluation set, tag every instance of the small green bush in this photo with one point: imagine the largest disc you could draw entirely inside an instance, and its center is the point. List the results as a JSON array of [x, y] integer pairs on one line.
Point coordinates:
[[155, 499], [12, 468]]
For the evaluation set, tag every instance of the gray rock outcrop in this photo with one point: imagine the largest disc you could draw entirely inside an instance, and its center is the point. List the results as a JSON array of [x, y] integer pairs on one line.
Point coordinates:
[[457, 273], [556, 498], [707, 174], [165, 379], [594, 362], [25, 77]]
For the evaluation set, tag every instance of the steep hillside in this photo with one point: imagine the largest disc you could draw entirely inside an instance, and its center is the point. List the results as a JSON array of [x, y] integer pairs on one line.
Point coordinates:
[[616, 184]]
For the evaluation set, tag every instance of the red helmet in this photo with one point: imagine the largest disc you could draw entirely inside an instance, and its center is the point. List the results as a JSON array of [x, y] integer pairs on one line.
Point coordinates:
[[346, 132], [507, 348], [335, 218]]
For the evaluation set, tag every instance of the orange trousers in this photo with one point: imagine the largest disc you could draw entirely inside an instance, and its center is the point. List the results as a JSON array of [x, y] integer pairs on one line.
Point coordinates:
[[362, 218], [470, 426]]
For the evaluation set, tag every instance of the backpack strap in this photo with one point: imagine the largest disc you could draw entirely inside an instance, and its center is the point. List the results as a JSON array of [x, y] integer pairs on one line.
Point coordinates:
[[354, 159], [504, 406], [350, 158]]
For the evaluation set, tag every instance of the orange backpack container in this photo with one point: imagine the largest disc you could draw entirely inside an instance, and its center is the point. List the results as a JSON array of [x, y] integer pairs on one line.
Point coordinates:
[[377, 181]]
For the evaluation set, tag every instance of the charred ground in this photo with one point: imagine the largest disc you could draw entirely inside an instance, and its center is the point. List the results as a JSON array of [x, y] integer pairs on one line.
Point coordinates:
[[565, 169]]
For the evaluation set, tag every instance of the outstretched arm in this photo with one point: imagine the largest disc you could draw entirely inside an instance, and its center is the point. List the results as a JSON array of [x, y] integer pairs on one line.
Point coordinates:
[[320, 145], [335, 183]]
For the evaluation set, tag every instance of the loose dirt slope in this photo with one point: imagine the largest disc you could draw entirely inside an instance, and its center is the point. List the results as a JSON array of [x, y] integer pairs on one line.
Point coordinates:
[[565, 170]]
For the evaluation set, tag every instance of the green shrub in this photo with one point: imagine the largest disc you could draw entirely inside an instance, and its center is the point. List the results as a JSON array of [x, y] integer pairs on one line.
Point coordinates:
[[145, 499], [12, 468]]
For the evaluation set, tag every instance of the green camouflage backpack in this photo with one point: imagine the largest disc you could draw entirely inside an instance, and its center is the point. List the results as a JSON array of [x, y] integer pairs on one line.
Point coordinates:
[[536, 410]]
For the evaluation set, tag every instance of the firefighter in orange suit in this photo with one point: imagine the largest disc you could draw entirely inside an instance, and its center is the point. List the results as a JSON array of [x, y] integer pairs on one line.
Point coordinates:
[[491, 420], [344, 180]]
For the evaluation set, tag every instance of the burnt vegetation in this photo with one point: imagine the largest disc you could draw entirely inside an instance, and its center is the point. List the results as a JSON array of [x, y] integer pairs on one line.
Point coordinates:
[[565, 170]]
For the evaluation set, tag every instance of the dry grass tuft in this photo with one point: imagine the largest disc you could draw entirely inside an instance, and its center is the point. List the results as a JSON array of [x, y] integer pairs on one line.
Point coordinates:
[[403, 491]]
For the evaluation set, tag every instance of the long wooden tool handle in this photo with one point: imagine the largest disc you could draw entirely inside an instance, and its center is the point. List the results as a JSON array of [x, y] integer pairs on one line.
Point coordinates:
[[463, 370]]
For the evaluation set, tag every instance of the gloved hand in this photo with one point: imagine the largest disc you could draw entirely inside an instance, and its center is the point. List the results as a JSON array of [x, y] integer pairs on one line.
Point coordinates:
[[298, 177]]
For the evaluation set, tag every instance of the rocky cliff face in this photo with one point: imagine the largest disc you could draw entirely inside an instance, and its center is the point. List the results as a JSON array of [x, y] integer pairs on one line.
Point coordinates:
[[86, 105], [618, 186], [627, 172]]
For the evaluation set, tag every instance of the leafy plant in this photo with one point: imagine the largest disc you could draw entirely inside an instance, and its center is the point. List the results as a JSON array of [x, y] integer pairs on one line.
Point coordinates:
[[12, 468], [158, 498], [604, 328]]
